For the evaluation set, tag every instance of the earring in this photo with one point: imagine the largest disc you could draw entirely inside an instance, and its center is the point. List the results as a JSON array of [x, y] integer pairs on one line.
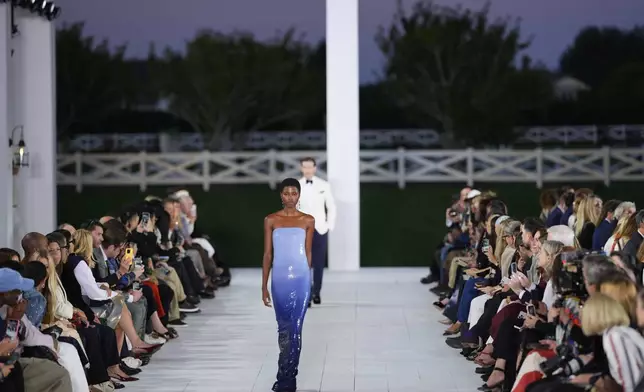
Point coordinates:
[[298, 205]]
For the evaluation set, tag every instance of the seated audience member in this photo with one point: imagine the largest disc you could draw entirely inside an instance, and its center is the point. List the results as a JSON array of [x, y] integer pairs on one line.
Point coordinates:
[[565, 235], [606, 226], [188, 215], [32, 244], [7, 255], [636, 238], [625, 209], [99, 341], [626, 226], [549, 203], [587, 219], [12, 311], [623, 346], [107, 305]]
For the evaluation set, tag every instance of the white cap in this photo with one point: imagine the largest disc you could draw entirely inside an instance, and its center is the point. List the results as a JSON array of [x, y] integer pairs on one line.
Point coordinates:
[[472, 194]]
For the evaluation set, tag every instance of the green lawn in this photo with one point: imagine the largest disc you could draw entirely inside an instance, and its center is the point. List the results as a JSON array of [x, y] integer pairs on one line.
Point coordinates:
[[399, 227]]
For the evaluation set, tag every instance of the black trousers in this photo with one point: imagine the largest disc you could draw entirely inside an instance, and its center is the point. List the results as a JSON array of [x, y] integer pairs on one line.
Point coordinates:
[[318, 254], [482, 327], [14, 381], [108, 345], [98, 352], [149, 297], [188, 275], [167, 295]]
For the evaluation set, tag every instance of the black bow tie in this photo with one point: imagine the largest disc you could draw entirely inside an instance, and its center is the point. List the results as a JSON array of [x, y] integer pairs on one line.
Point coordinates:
[[309, 181]]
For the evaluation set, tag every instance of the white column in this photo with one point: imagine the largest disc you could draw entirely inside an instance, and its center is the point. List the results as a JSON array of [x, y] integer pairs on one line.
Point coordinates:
[[342, 132], [36, 196], [6, 177]]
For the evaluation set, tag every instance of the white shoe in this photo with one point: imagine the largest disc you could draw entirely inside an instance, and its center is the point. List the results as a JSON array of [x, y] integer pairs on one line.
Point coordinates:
[[152, 340], [133, 363]]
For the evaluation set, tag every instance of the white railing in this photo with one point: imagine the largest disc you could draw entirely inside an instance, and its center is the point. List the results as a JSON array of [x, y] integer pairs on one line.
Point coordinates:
[[392, 166], [412, 138]]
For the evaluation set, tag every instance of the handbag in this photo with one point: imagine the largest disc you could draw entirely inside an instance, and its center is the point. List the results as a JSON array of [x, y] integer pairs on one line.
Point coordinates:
[[110, 313]]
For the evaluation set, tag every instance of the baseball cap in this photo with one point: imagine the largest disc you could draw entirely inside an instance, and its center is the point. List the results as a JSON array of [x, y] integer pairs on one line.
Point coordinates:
[[472, 194], [11, 280]]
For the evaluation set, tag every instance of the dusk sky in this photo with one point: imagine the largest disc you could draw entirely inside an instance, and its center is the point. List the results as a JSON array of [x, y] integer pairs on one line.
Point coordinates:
[[552, 23]]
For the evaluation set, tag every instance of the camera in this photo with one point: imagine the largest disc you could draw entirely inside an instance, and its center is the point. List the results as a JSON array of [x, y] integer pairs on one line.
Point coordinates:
[[570, 278], [566, 361]]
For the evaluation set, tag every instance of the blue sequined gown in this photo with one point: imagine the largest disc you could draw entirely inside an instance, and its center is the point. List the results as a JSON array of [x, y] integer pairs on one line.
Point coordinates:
[[291, 289]]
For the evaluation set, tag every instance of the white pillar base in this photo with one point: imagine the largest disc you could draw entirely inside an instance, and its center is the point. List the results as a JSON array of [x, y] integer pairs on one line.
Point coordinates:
[[343, 127]]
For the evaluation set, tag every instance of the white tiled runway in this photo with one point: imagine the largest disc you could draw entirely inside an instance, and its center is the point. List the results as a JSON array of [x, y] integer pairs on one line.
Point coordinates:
[[376, 331]]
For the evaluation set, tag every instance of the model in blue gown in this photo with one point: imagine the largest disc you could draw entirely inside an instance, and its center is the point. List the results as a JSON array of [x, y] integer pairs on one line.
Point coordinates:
[[290, 289]]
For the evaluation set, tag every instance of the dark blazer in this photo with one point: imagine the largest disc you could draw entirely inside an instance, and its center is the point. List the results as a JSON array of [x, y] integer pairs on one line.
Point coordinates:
[[633, 245], [602, 233], [554, 217]]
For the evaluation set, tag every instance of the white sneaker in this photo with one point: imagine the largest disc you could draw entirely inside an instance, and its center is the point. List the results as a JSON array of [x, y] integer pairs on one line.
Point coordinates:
[[152, 340], [133, 363]]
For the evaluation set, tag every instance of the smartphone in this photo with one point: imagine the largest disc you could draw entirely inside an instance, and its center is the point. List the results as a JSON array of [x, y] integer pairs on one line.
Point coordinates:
[[129, 255], [193, 210], [145, 219], [531, 310], [12, 359], [164, 258], [513, 268], [136, 286], [13, 326]]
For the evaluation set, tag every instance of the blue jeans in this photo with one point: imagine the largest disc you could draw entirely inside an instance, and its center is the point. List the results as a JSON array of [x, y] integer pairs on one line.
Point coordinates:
[[441, 263], [469, 293]]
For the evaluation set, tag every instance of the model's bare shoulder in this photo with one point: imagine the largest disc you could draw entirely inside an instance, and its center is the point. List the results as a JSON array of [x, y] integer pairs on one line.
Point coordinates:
[[309, 219], [269, 219]]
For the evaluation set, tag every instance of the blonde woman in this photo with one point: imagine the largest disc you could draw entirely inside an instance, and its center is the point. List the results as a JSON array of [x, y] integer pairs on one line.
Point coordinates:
[[623, 290], [543, 289], [79, 282], [626, 226], [623, 346], [588, 216]]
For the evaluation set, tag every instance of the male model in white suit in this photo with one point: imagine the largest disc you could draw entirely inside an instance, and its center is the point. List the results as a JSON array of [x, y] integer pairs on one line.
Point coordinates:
[[316, 199]]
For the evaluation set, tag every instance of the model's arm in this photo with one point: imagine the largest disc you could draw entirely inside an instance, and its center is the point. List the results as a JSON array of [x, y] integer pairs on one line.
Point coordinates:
[[268, 251], [329, 201], [310, 231]]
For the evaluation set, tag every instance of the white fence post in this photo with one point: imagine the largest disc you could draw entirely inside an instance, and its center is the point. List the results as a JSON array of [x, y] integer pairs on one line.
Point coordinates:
[[606, 164], [78, 170], [470, 166], [205, 167], [272, 169], [539, 161], [401, 168], [143, 184]]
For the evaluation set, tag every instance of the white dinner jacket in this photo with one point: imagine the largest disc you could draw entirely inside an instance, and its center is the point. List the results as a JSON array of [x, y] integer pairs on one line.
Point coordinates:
[[316, 199]]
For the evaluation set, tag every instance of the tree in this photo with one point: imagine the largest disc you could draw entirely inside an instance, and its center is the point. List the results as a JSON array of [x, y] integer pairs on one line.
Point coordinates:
[[621, 96], [454, 67], [225, 85], [599, 51], [90, 80]]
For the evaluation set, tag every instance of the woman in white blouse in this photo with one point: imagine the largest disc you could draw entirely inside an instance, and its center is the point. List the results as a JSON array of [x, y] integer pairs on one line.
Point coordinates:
[[79, 284], [101, 350], [626, 226]]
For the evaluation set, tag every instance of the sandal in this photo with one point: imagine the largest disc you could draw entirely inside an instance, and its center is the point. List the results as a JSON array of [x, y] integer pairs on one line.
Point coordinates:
[[498, 383]]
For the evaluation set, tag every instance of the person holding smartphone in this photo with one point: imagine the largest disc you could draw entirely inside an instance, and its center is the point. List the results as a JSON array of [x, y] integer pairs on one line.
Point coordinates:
[[37, 374]]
